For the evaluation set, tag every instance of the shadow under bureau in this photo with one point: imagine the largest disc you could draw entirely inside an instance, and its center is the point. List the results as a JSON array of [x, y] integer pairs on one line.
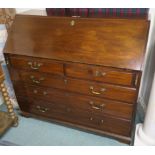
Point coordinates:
[[78, 71]]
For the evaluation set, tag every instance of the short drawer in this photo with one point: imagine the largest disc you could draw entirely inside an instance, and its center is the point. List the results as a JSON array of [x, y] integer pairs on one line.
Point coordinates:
[[102, 74], [36, 64], [95, 105], [108, 91], [78, 116]]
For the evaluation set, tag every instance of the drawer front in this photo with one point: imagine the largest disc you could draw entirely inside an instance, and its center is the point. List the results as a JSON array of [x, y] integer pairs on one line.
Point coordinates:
[[105, 123], [43, 108], [37, 64], [19, 88], [102, 74], [81, 86], [93, 104], [78, 116]]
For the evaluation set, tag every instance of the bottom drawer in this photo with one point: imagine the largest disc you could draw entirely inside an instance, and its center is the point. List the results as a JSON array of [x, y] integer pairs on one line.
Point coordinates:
[[65, 112]]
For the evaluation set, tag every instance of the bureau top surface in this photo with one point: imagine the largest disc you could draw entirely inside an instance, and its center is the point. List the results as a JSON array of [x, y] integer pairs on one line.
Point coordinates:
[[108, 42]]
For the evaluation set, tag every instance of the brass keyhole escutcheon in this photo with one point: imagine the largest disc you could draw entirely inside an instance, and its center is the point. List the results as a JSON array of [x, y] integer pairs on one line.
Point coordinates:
[[44, 93], [35, 91], [102, 121], [91, 118], [72, 23], [65, 81]]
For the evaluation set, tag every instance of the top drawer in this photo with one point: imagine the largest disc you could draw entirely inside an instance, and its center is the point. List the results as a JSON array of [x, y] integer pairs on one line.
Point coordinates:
[[102, 74], [37, 64]]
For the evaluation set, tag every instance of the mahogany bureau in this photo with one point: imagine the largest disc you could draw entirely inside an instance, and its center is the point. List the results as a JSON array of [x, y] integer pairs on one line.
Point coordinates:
[[82, 72]]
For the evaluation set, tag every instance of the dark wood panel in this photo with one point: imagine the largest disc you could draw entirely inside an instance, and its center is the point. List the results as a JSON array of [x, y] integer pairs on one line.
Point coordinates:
[[105, 123], [109, 42], [102, 74], [93, 104], [61, 111], [81, 86], [36, 64], [19, 88]]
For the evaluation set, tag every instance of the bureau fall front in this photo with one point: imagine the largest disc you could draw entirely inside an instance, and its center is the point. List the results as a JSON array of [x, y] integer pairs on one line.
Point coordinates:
[[82, 72]]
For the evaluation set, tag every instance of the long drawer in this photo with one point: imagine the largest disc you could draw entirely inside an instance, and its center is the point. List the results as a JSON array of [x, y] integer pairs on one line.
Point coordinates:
[[108, 91], [78, 116], [96, 105]]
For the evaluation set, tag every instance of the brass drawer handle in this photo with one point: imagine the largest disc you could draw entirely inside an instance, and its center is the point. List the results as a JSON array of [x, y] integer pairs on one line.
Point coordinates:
[[100, 122], [99, 73], [97, 107], [34, 65], [36, 91], [36, 81], [95, 92], [41, 109]]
